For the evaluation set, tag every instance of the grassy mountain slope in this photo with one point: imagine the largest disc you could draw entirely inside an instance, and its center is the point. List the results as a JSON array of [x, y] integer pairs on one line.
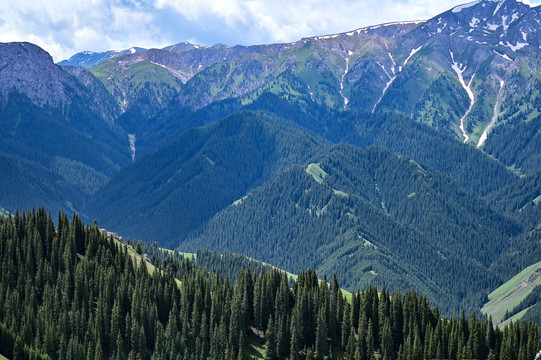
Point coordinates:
[[141, 89], [505, 298]]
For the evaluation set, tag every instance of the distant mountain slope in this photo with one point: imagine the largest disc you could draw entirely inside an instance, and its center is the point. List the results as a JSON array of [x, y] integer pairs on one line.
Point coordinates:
[[517, 143], [521, 200], [473, 169], [28, 185], [167, 194], [102, 100], [140, 85], [372, 217], [88, 59], [464, 72]]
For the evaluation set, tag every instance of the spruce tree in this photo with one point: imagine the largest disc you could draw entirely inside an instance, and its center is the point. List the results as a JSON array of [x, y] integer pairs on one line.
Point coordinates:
[[271, 352], [321, 334]]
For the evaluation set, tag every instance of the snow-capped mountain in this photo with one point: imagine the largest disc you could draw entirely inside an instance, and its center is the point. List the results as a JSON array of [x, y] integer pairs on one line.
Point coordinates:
[[505, 23], [88, 59], [460, 72]]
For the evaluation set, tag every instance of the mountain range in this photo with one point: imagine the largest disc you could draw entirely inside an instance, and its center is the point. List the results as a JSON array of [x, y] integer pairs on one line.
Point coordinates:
[[403, 154]]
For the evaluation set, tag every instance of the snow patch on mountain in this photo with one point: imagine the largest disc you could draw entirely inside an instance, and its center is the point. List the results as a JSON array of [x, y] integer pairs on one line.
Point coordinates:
[[516, 47], [384, 70], [413, 52], [394, 64], [484, 136], [514, 17], [500, 3], [503, 56], [326, 37], [459, 8], [504, 23], [346, 100], [439, 31], [374, 27], [492, 27], [311, 93], [392, 78], [131, 139], [459, 70]]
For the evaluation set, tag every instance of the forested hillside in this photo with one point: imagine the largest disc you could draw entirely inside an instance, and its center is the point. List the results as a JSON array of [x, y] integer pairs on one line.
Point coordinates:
[[171, 192], [71, 293], [370, 216]]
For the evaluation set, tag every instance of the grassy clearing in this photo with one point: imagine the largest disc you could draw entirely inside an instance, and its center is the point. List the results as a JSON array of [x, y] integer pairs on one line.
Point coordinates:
[[317, 172], [340, 193], [256, 344], [187, 255], [510, 294], [150, 268], [514, 318], [2, 357]]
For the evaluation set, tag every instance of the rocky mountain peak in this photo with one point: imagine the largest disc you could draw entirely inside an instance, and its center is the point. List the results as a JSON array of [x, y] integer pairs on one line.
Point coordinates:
[[87, 59], [509, 25], [29, 70]]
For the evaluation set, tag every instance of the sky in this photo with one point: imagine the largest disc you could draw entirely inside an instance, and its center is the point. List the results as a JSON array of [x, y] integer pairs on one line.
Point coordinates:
[[65, 27]]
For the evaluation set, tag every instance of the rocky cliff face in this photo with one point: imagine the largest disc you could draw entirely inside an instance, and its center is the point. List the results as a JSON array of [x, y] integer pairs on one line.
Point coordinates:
[[102, 102], [27, 69], [57, 130]]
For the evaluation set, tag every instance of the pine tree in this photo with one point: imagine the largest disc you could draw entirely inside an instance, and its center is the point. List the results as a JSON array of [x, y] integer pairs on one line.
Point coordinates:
[[387, 344], [296, 334], [346, 325], [370, 343], [321, 334], [271, 352]]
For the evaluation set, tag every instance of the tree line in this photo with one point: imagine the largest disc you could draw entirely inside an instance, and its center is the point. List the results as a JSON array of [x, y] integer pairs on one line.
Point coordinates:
[[69, 292]]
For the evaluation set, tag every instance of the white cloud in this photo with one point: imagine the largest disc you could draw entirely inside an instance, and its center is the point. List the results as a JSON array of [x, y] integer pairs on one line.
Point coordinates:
[[231, 11], [64, 27], [286, 20]]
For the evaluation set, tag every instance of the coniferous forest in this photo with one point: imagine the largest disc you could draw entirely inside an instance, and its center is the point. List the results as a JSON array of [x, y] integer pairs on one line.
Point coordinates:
[[69, 292]]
